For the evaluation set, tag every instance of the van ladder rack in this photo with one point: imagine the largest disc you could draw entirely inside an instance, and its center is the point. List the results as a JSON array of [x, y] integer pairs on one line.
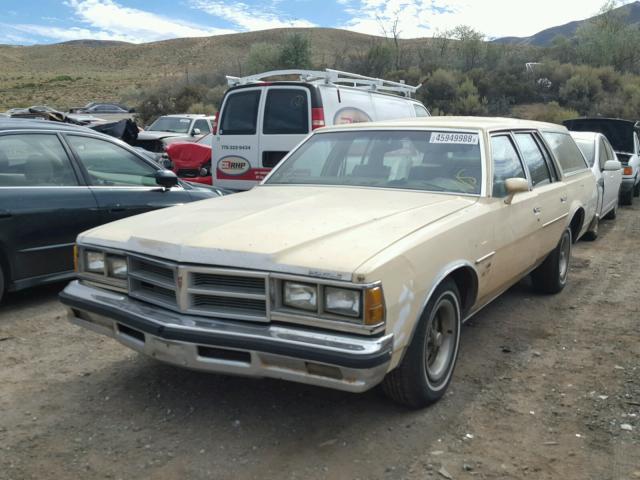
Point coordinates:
[[331, 77]]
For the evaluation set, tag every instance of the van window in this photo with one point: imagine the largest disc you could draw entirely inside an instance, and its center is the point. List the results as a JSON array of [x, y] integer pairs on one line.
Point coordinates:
[[240, 114], [286, 112], [566, 151], [420, 110]]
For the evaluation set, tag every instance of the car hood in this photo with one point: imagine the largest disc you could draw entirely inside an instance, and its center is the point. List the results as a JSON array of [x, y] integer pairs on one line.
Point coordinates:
[[189, 154], [153, 135], [322, 231]]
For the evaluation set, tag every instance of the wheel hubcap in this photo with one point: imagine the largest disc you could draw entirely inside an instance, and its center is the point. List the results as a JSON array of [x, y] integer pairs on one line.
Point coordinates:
[[440, 340], [565, 249]]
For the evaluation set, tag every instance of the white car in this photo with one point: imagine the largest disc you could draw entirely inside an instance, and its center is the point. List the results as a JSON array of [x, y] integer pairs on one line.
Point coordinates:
[[623, 137], [608, 172], [261, 120], [171, 128]]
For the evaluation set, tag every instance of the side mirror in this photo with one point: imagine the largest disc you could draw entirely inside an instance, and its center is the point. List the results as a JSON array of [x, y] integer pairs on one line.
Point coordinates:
[[513, 186], [612, 166], [195, 131], [166, 179]]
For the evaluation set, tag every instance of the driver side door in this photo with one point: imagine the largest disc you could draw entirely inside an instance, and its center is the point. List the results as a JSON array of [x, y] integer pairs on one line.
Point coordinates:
[[123, 183]]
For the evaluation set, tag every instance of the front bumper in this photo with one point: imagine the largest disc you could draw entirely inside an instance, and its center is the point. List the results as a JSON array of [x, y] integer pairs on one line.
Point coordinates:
[[339, 361], [627, 184]]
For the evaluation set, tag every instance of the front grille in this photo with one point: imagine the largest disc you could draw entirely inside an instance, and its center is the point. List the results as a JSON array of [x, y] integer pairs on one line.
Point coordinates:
[[215, 292], [153, 281]]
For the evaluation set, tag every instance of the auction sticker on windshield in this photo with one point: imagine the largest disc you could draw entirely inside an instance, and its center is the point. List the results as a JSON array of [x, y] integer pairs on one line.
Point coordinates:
[[452, 137]]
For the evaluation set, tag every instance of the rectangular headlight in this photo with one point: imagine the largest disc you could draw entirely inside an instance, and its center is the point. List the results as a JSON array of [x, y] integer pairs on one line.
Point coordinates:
[[342, 301], [302, 296], [94, 262], [117, 267]]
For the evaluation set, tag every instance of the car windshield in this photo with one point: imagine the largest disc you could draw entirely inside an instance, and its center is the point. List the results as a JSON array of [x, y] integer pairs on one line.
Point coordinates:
[[435, 161], [170, 124], [588, 149]]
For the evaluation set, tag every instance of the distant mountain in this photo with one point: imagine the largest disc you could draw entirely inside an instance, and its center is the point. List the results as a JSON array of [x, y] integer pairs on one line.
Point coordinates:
[[545, 37]]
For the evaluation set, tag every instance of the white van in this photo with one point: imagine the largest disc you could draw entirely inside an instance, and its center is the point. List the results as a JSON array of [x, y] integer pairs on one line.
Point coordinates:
[[261, 121]]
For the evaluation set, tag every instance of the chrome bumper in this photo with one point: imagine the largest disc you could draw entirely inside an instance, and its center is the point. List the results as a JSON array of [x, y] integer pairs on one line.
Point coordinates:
[[339, 361]]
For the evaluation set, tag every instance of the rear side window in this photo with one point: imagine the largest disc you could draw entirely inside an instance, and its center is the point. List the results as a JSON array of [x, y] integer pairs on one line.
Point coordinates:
[[240, 114], [34, 160], [534, 159], [566, 151], [506, 164], [602, 157], [286, 111]]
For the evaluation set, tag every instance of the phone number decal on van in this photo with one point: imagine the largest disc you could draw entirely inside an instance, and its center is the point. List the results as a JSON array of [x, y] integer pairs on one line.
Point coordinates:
[[458, 138]]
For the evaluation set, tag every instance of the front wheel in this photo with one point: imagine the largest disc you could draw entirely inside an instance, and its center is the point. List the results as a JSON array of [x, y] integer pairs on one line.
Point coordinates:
[[425, 372], [551, 275], [627, 197], [636, 190]]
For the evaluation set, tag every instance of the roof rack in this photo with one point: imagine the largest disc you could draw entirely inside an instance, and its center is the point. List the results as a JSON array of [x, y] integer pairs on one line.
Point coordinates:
[[331, 77]]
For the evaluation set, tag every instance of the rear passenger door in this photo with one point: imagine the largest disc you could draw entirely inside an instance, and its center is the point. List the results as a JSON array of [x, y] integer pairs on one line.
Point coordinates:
[[515, 225], [44, 204], [550, 208], [236, 147], [123, 183], [286, 121]]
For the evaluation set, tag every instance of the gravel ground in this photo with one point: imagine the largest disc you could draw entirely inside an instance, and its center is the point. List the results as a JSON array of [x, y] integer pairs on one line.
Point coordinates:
[[546, 387]]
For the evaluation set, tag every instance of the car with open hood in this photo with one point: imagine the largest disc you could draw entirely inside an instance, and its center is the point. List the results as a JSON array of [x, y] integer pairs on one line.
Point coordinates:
[[353, 263]]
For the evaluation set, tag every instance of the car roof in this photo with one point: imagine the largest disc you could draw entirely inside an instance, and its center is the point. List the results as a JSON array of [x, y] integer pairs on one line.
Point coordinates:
[[473, 123], [586, 135], [30, 124]]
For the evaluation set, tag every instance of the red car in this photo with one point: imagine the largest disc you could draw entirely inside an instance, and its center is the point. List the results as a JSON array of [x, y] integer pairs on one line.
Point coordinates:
[[191, 161]]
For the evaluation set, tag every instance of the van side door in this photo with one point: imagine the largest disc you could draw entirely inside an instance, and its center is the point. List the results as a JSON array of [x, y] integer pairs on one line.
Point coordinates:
[[235, 152]]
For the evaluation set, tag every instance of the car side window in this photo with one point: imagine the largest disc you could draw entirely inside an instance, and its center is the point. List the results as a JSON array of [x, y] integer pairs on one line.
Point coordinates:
[[603, 154], [611, 155], [34, 160], [534, 159], [506, 164], [111, 165], [202, 125], [566, 151]]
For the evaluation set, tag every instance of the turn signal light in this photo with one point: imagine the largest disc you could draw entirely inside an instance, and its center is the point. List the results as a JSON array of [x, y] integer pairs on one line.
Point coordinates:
[[373, 306], [627, 171], [75, 258]]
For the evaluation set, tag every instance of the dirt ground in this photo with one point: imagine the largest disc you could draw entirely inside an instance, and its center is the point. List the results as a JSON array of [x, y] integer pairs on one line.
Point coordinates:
[[546, 387]]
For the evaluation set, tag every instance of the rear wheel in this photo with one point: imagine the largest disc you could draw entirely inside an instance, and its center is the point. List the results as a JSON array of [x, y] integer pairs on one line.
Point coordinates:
[[551, 275], [425, 372]]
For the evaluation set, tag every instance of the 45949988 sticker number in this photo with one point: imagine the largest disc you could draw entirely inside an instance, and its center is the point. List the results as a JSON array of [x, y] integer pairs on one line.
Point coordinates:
[[453, 137]]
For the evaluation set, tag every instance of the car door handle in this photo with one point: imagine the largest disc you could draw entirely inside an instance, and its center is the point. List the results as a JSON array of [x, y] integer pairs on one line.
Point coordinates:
[[5, 213], [563, 199], [537, 210], [115, 208]]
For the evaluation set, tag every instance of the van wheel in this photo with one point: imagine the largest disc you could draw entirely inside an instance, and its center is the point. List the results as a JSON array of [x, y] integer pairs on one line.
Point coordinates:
[[592, 234], [551, 275], [425, 372], [627, 197]]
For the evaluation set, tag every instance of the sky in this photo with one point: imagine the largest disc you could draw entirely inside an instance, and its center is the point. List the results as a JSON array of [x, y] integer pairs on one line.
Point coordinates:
[[27, 22]]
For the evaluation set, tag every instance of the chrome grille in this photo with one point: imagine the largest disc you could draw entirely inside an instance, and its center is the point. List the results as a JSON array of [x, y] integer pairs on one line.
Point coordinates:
[[153, 281], [215, 292]]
